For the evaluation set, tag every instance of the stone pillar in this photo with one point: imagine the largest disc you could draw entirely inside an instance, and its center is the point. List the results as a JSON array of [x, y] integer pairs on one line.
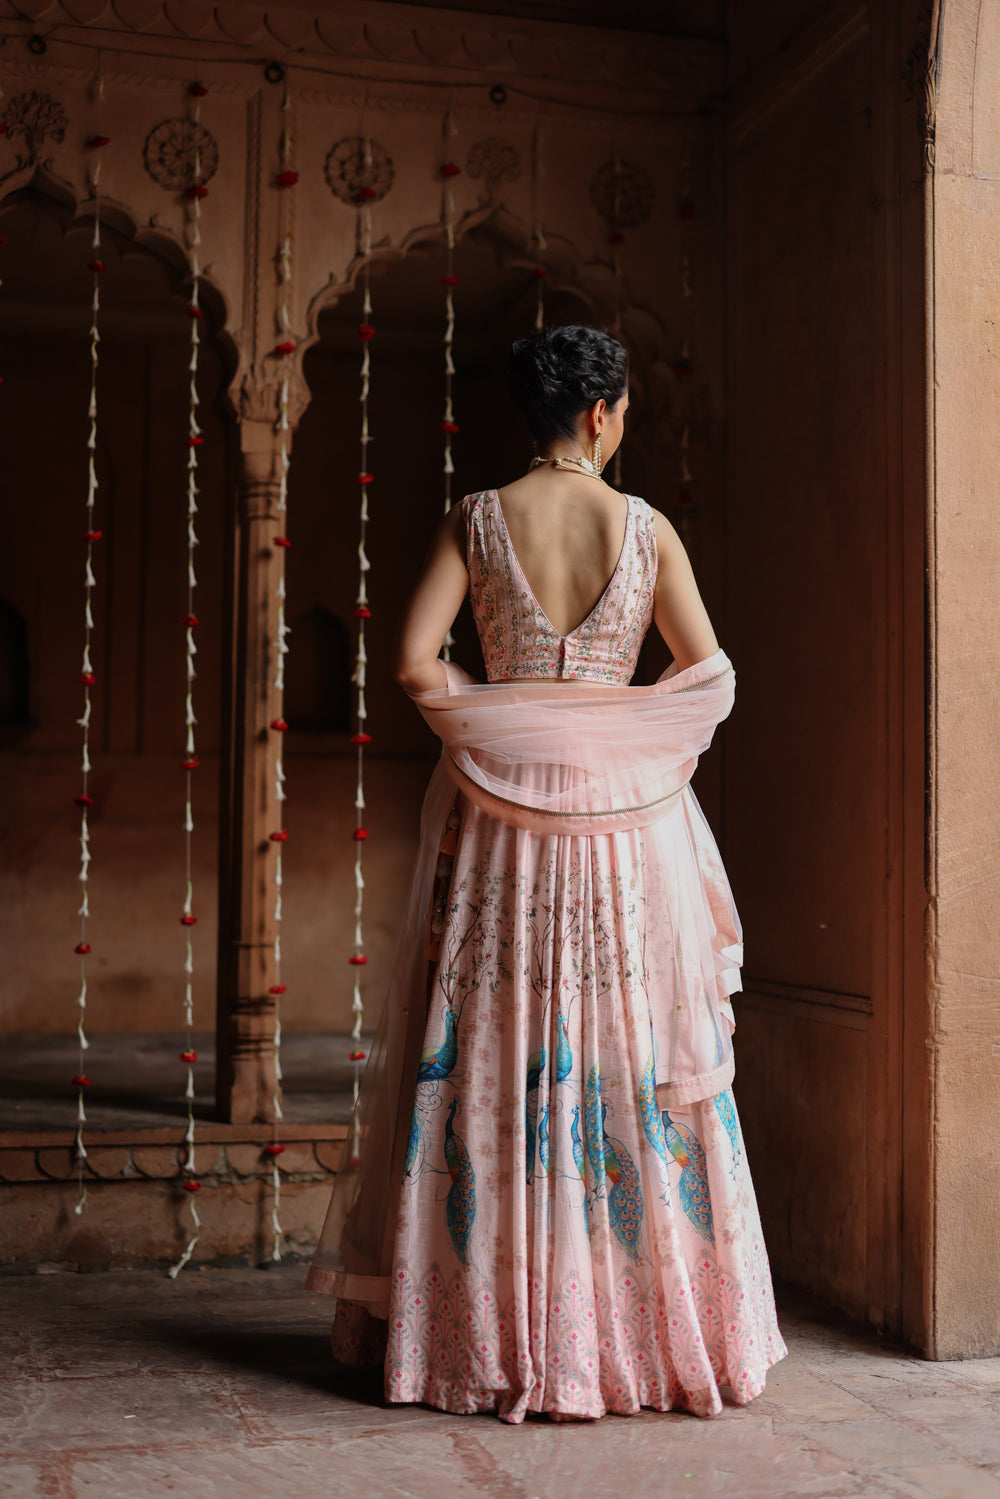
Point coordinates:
[[246, 1011]]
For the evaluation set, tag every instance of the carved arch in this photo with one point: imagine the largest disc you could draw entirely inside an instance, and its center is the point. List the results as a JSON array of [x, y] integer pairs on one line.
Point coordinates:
[[654, 384]]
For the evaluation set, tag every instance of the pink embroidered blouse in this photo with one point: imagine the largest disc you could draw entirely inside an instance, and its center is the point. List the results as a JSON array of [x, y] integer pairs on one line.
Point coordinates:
[[516, 636]]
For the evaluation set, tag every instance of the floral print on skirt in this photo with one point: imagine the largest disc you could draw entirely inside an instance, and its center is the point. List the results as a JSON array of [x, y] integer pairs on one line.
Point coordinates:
[[564, 1242]]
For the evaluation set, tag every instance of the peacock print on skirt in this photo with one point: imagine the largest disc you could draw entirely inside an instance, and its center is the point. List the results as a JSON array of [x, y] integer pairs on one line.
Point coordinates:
[[564, 1241]]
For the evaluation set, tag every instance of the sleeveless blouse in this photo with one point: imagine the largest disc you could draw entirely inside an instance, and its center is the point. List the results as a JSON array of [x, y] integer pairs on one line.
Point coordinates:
[[517, 637]]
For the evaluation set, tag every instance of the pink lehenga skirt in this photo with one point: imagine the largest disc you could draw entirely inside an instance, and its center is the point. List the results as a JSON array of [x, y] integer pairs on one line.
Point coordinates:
[[555, 1222]]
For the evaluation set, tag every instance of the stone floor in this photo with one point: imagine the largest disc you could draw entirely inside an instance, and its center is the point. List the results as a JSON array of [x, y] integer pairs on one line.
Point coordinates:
[[133, 1386]]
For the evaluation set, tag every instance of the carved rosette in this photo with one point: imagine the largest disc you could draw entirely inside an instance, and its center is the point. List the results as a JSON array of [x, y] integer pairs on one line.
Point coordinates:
[[348, 174], [169, 154], [622, 194], [34, 118], [494, 160]]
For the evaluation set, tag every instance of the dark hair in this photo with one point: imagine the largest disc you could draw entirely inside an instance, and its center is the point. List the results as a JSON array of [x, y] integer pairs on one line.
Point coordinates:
[[556, 374]]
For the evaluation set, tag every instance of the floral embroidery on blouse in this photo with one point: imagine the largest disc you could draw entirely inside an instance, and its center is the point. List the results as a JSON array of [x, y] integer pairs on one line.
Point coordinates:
[[516, 636]]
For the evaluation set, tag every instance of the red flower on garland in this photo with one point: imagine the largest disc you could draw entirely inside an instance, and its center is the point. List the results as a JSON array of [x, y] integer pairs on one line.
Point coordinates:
[[451, 169], [683, 368], [274, 1149], [87, 678], [95, 142], [360, 834], [281, 836], [84, 801], [366, 332], [357, 1056], [97, 266], [685, 208], [191, 764], [449, 280], [367, 194], [196, 190], [281, 541], [82, 947], [361, 739], [616, 237], [192, 1186], [189, 920], [81, 1080], [539, 273], [685, 499], [449, 427], [365, 478], [91, 535], [362, 612], [196, 442], [196, 312], [198, 90], [188, 1056], [285, 348], [357, 960], [279, 724], [189, 619], [277, 989], [287, 178]]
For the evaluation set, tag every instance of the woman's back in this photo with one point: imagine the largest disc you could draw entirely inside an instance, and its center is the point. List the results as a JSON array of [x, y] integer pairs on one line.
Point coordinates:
[[568, 536], [562, 579]]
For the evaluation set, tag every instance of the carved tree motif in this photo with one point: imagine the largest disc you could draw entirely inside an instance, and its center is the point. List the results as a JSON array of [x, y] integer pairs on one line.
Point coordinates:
[[169, 154], [38, 118], [349, 175], [495, 160], [622, 194]]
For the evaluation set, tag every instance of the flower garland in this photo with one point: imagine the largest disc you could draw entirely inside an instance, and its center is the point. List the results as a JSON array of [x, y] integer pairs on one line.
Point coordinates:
[[685, 514], [188, 1056], [538, 239], [360, 738], [449, 427], [84, 801], [285, 179]]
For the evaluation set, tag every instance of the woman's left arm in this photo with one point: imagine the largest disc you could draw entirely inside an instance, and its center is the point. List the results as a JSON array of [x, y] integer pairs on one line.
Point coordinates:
[[436, 600]]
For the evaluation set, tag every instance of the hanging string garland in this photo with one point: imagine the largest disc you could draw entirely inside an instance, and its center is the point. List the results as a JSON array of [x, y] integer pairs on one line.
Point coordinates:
[[539, 241], [286, 179], [85, 801], [194, 194], [360, 738], [685, 514], [449, 427]]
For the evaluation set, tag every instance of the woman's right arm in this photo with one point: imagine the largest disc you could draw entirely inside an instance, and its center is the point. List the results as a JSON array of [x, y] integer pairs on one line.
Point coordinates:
[[678, 611], [430, 614]]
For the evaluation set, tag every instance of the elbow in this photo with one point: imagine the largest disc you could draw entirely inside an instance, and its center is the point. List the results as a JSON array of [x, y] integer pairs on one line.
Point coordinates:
[[410, 674]]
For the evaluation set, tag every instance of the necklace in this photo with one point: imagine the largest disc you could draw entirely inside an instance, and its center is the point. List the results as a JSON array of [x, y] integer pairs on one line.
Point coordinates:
[[581, 465]]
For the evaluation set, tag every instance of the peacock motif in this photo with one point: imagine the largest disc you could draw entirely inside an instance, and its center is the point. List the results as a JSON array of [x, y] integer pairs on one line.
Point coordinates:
[[536, 1064], [725, 1107], [625, 1206], [564, 1052], [650, 1112], [694, 1194], [460, 1206], [577, 1143], [437, 1062], [543, 1142], [592, 1127]]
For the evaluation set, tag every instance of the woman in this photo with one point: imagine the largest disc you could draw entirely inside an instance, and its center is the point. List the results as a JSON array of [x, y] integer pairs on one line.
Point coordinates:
[[545, 1206]]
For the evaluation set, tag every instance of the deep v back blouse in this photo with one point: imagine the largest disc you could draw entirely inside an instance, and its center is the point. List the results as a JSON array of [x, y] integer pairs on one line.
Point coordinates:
[[517, 637]]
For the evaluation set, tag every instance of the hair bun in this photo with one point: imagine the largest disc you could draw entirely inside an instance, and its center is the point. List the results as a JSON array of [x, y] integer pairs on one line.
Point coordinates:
[[555, 375]]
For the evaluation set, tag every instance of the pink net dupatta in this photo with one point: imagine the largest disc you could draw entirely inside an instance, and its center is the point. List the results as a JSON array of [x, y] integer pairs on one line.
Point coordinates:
[[561, 759]]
